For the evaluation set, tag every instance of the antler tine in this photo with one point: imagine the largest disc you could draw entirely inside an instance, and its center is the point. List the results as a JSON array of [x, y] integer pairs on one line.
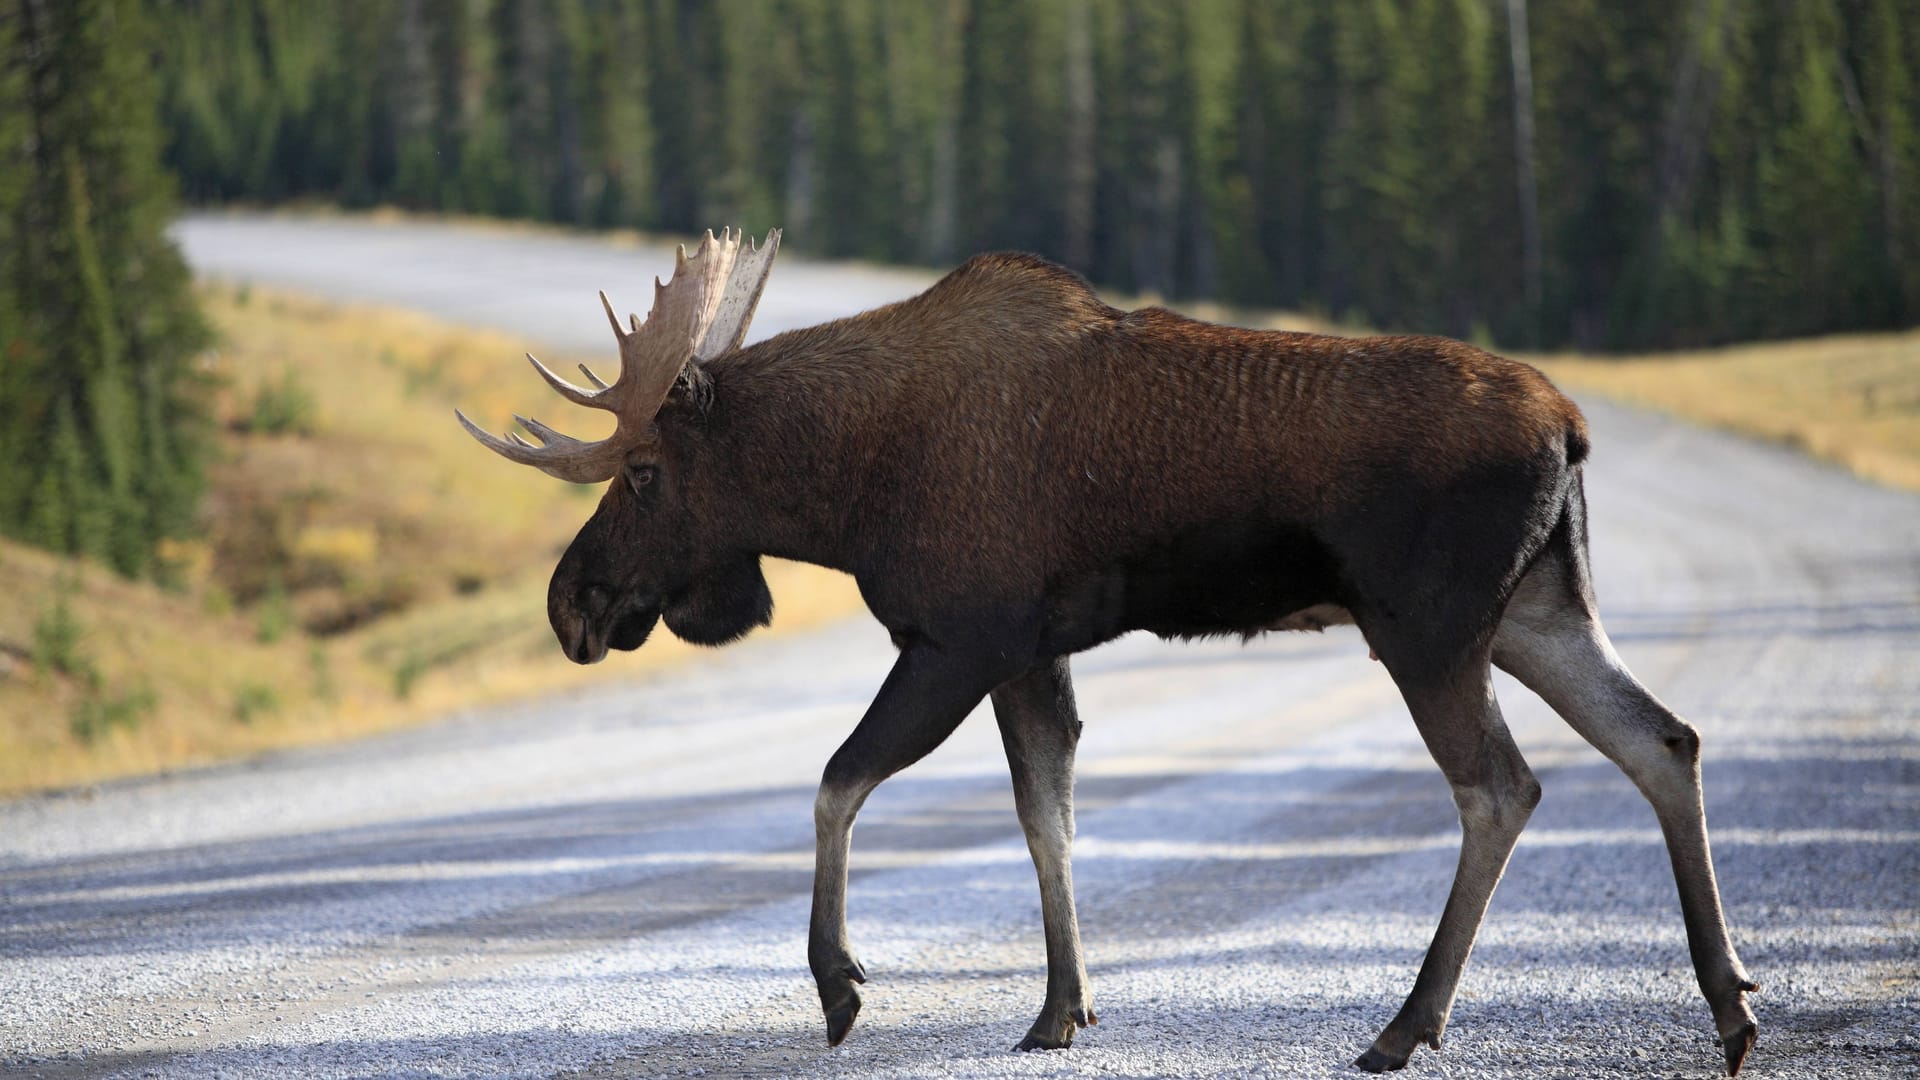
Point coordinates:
[[562, 457], [546, 435], [745, 280], [567, 390], [591, 377], [614, 320]]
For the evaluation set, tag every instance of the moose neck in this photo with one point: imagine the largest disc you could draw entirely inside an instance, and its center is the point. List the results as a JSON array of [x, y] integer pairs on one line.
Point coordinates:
[[780, 465]]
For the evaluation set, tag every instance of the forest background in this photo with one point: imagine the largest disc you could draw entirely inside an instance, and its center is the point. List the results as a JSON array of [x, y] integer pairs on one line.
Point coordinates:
[[1679, 173], [1600, 175]]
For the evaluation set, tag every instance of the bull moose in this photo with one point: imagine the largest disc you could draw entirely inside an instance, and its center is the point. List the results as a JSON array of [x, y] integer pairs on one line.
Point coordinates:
[[1013, 471]]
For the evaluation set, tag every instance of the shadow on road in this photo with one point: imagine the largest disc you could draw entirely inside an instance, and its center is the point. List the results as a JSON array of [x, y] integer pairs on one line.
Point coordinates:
[[633, 866]]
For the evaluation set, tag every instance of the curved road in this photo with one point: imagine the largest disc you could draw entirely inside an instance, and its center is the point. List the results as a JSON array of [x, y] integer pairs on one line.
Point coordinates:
[[615, 883]]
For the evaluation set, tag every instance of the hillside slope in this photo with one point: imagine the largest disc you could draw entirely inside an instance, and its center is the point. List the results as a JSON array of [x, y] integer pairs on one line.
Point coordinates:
[[363, 563]]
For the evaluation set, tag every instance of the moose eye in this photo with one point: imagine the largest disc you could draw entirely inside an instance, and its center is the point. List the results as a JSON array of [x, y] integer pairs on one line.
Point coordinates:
[[640, 476]]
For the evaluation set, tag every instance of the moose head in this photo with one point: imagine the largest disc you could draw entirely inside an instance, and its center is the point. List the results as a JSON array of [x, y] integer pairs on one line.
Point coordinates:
[[641, 557]]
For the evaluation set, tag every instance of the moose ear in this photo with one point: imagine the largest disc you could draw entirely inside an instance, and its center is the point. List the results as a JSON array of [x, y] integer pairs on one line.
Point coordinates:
[[693, 389]]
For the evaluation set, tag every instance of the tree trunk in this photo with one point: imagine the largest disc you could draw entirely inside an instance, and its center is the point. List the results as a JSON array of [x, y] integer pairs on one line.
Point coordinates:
[[1523, 154]]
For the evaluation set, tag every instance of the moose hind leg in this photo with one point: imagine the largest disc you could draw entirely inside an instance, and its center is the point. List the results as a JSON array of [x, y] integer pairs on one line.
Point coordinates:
[[1495, 793], [1552, 642], [1040, 729]]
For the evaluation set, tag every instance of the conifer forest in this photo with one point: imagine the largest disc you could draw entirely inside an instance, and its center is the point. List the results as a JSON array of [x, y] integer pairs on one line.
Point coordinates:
[[1675, 172], [1596, 174]]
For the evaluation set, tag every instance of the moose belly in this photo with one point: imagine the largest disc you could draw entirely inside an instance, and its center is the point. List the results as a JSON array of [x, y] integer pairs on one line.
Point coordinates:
[[1220, 582]]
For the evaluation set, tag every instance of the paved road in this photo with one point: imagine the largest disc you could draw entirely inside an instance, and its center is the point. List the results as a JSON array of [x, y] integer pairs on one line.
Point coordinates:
[[615, 883]]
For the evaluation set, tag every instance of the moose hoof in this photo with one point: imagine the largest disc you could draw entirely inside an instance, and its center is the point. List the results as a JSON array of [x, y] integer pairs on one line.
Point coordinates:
[[839, 1001], [1737, 1045], [1374, 1061], [1381, 1058], [840, 1017], [1055, 1032], [1733, 1018]]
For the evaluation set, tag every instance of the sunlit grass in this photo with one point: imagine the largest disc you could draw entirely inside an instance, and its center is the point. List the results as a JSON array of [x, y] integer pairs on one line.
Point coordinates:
[[1853, 400], [364, 565]]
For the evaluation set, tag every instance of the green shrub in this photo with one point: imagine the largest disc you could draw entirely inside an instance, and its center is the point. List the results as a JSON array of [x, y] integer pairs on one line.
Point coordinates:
[[254, 701], [283, 407], [412, 666], [275, 614], [56, 637], [217, 600], [97, 713], [322, 668], [428, 376]]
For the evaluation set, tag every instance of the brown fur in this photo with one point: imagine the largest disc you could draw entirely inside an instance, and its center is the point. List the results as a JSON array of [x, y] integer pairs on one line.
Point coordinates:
[[1009, 425]]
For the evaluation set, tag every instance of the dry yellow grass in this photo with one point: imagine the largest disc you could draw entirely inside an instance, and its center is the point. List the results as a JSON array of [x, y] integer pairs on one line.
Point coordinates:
[[383, 522], [1853, 400], [135, 637]]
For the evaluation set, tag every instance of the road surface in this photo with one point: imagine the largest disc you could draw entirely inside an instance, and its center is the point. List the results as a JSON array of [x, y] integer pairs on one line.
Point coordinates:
[[614, 883]]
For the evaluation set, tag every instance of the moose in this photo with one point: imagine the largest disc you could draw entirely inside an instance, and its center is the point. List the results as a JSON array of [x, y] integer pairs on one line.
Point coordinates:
[[1014, 471]]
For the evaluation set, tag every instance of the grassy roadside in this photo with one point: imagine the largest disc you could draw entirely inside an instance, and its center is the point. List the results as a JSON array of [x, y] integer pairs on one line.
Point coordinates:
[[1853, 400], [364, 565]]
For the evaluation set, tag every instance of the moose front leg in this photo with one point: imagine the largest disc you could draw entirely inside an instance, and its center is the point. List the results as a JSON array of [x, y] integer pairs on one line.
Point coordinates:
[[1040, 728], [926, 695]]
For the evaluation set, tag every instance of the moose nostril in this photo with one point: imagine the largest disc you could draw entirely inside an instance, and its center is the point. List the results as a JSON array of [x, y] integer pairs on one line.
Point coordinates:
[[594, 599], [574, 635]]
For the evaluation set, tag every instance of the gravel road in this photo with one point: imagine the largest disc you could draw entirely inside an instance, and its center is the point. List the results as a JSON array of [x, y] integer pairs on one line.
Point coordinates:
[[614, 883]]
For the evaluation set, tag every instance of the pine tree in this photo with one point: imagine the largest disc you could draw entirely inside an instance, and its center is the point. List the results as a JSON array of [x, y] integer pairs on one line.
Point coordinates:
[[1461, 270], [1373, 161], [1705, 170], [617, 130], [103, 328], [1816, 202], [22, 399], [859, 188], [1270, 199], [1149, 163], [1880, 98]]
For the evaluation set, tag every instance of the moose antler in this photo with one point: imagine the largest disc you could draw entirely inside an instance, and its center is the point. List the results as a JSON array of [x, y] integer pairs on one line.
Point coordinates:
[[701, 313]]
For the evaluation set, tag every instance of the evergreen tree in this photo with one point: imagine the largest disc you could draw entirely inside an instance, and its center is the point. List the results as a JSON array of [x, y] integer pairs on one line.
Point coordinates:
[[1008, 128], [1815, 199], [1884, 113], [617, 130], [1150, 159], [859, 184], [22, 399], [1704, 170], [100, 395]]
